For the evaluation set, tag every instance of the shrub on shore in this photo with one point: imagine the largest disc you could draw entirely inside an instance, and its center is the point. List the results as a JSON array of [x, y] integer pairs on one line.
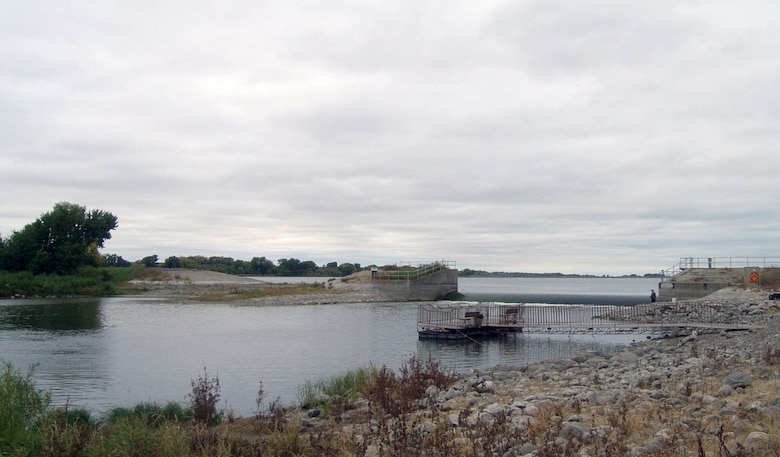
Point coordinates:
[[23, 408], [204, 398], [399, 394]]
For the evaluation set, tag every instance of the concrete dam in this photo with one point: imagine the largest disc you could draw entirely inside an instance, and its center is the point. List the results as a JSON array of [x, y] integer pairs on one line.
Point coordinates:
[[418, 282], [697, 277]]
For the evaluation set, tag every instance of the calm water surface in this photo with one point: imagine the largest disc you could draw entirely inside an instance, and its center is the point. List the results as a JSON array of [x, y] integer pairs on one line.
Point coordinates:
[[101, 353]]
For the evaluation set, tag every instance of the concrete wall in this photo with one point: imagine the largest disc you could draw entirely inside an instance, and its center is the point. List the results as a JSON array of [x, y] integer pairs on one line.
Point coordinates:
[[700, 282], [680, 290], [433, 287]]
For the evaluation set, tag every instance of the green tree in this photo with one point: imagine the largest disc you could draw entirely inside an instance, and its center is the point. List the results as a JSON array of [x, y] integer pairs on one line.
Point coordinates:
[[347, 269], [113, 260], [150, 260], [173, 262], [221, 264], [60, 241], [289, 267], [307, 268], [263, 266]]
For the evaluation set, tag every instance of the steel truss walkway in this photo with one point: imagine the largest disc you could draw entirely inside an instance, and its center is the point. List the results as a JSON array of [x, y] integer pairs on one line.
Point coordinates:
[[452, 321]]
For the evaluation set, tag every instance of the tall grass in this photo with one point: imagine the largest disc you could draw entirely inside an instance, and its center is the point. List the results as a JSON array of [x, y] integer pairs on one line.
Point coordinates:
[[133, 437], [152, 413], [66, 433], [23, 407], [347, 386]]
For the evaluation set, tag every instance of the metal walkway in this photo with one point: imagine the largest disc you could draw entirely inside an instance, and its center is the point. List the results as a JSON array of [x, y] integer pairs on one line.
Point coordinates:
[[489, 319], [412, 270]]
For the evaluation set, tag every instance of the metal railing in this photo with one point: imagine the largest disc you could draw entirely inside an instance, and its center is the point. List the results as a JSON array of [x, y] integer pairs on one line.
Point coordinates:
[[412, 270], [468, 316], [584, 318], [686, 263]]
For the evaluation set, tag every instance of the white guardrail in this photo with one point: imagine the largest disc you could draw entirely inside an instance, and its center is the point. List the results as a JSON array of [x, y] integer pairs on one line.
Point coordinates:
[[720, 262]]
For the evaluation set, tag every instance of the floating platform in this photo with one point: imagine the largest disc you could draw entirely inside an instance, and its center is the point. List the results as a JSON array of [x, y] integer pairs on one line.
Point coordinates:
[[467, 321]]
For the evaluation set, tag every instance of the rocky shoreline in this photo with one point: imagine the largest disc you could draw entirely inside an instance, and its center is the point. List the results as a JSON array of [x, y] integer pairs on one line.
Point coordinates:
[[700, 393]]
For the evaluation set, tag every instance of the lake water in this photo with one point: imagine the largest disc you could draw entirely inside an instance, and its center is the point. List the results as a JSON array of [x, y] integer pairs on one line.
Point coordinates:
[[118, 351]]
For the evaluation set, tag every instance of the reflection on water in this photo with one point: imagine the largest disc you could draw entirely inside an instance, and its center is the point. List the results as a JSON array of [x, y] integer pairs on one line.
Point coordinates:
[[51, 315], [124, 350], [519, 349]]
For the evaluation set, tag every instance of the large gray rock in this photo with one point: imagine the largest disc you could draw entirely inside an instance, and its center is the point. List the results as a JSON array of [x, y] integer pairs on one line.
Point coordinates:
[[737, 379], [725, 390], [486, 387], [495, 409], [624, 357], [524, 450], [757, 443], [576, 430]]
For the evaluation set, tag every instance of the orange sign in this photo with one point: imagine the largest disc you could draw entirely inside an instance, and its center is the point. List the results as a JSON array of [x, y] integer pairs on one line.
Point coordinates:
[[754, 278]]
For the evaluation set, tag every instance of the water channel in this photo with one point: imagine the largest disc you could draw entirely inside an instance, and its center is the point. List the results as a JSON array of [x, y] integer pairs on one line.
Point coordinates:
[[118, 351]]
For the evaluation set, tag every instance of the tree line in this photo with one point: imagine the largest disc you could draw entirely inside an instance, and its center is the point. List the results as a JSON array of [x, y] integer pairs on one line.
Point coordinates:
[[260, 266], [66, 239]]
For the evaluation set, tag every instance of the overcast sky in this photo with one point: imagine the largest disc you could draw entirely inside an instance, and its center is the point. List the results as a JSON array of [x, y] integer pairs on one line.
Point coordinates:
[[602, 137]]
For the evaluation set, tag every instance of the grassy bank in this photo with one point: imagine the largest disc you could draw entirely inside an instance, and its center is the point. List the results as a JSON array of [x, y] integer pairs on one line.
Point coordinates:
[[30, 426], [89, 281]]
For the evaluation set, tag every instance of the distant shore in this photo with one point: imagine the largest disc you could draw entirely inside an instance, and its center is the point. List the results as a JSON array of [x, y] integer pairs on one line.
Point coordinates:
[[197, 284]]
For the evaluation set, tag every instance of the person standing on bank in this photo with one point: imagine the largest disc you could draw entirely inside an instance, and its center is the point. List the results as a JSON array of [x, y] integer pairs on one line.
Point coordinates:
[[652, 296]]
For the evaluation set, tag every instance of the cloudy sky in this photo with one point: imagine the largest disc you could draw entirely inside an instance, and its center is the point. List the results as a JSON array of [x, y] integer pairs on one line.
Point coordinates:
[[602, 137]]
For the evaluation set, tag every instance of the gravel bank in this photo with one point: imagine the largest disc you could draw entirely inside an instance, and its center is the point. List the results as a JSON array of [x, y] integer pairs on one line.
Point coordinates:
[[196, 284], [703, 393]]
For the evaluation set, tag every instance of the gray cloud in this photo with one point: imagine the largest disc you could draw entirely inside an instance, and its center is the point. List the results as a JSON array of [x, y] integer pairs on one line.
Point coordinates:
[[601, 137]]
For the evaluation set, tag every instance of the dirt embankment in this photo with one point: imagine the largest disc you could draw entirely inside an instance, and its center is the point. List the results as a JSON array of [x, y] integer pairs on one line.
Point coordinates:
[[200, 284]]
